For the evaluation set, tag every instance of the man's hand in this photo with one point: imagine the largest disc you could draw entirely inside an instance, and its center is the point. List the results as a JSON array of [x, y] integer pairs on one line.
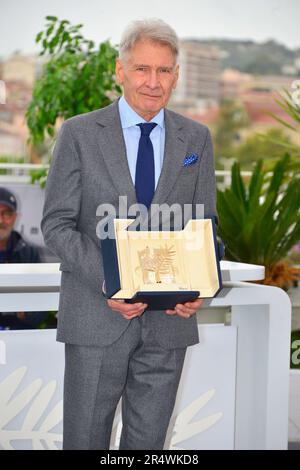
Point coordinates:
[[187, 309], [128, 311]]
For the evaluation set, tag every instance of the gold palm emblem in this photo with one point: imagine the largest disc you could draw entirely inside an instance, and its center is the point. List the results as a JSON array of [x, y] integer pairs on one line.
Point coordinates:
[[160, 261]]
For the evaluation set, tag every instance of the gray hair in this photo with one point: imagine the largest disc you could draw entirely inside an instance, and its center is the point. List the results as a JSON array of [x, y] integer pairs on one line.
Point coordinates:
[[152, 29]]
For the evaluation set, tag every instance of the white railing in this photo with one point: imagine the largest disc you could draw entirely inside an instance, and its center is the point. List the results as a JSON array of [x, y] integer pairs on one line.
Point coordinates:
[[240, 368], [18, 172]]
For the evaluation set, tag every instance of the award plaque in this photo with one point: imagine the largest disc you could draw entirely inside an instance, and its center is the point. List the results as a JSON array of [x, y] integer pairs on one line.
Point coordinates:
[[162, 268]]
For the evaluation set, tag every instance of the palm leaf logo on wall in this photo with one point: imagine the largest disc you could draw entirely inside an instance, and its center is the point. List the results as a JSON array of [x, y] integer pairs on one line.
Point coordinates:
[[35, 427], [187, 427]]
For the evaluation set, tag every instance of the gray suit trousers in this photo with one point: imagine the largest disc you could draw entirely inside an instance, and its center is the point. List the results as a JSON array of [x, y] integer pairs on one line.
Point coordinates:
[[136, 368]]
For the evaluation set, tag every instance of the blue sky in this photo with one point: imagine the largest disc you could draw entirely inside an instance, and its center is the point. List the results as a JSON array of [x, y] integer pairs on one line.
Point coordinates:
[[21, 20]]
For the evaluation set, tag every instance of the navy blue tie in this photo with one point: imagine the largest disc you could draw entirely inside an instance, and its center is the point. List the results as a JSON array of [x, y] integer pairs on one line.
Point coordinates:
[[145, 173]]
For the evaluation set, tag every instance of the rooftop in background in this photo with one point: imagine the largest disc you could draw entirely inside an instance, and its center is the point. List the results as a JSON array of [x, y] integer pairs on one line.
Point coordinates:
[[256, 93]]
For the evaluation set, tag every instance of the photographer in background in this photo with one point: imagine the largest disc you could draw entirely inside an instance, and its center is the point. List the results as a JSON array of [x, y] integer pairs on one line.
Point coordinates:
[[14, 249]]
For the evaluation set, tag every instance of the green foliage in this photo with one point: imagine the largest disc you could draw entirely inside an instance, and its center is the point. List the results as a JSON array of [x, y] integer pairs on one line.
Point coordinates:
[[77, 78], [268, 146], [40, 176], [259, 223], [232, 118], [258, 57], [50, 321], [10, 159], [264, 64], [289, 102], [295, 346]]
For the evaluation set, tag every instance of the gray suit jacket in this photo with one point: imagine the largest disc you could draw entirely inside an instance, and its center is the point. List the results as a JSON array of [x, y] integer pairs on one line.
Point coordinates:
[[89, 167]]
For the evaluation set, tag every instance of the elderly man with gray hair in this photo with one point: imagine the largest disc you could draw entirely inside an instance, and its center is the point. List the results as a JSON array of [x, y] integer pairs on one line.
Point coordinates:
[[135, 148]]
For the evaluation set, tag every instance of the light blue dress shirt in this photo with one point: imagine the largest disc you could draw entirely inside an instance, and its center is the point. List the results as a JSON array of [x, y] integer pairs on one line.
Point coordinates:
[[132, 133]]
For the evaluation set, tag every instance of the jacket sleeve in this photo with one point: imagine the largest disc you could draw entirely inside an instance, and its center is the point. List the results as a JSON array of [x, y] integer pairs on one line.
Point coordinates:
[[78, 253], [206, 183]]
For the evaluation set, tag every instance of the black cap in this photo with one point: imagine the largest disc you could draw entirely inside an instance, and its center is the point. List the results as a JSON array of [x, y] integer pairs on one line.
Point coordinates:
[[7, 198]]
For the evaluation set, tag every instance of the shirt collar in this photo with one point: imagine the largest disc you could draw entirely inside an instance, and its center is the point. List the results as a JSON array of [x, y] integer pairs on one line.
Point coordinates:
[[130, 118]]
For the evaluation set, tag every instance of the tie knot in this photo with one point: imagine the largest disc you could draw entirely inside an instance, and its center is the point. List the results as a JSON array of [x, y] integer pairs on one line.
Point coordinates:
[[146, 127]]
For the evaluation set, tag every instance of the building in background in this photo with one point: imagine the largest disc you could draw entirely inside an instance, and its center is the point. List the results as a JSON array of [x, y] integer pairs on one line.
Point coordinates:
[[21, 68], [13, 128], [203, 84], [18, 73], [198, 86], [232, 82], [258, 94]]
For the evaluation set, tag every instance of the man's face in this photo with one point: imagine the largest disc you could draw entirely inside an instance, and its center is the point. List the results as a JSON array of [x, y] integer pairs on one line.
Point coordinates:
[[148, 76], [7, 221]]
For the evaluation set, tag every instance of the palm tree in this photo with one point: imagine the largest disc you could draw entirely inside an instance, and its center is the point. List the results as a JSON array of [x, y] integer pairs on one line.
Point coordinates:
[[260, 222]]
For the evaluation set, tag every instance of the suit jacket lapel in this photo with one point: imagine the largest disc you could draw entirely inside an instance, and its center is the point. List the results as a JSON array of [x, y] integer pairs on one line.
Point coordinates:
[[175, 150], [113, 149]]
